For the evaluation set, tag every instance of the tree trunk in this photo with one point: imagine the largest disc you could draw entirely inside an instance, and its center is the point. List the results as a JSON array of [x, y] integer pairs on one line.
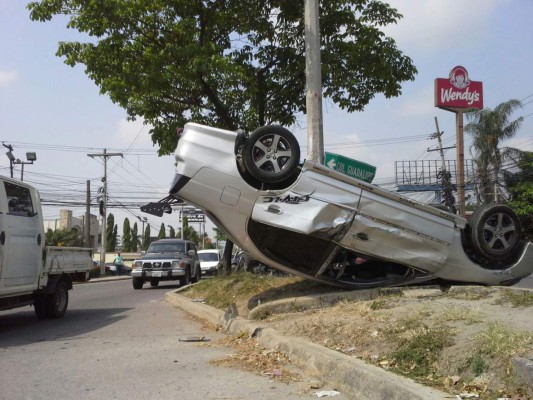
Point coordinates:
[[226, 258]]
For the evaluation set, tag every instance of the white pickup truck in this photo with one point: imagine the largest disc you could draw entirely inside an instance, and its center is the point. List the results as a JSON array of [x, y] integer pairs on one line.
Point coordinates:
[[30, 272]]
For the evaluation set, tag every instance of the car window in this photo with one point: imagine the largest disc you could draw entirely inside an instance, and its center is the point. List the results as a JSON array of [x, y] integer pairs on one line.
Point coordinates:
[[167, 248], [19, 200], [302, 252], [208, 256]]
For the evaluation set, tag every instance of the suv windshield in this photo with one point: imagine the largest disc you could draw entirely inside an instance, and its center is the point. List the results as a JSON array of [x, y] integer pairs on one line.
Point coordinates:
[[208, 256], [167, 248]]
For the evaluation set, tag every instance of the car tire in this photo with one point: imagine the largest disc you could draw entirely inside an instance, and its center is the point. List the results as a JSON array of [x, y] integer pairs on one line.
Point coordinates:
[[185, 280], [495, 232], [56, 303], [271, 154], [154, 282], [196, 278], [137, 283]]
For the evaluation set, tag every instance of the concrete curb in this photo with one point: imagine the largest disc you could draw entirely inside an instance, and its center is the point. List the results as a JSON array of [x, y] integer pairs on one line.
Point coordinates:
[[351, 376], [109, 279], [317, 301]]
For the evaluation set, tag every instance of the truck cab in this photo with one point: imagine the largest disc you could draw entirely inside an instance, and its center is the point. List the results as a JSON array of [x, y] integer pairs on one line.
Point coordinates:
[[21, 236]]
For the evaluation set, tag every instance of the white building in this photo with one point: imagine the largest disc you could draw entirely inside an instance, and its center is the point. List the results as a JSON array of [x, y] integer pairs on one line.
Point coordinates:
[[67, 221]]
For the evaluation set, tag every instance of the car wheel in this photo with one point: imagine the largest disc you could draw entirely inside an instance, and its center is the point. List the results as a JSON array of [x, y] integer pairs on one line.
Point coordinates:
[[185, 280], [154, 282], [271, 154], [137, 283], [57, 302], [196, 278], [495, 232]]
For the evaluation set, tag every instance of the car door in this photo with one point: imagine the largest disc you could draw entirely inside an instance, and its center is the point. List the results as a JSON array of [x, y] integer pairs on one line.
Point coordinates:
[[21, 240], [316, 205], [392, 227]]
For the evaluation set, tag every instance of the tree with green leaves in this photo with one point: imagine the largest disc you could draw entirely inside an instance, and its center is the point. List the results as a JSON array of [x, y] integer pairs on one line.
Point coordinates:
[[229, 64], [114, 241], [63, 237], [110, 239], [146, 237], [162, 232], [519, 183], [488, 129], [220, 236], [134, 237], [189, 233], [126, 236]]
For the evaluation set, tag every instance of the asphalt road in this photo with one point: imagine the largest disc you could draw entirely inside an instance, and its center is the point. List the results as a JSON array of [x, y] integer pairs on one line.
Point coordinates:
[[119, 343]]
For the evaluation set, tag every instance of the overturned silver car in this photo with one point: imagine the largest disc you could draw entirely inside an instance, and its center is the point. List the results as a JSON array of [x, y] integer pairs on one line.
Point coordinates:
[[314, 222]]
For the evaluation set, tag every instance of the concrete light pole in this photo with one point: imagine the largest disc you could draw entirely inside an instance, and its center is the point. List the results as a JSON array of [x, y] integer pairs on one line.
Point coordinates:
[[315, 134], [105, 155]]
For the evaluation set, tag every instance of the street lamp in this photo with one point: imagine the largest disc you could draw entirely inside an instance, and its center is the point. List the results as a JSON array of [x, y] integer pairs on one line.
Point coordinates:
[[170, 228], [30, 156]]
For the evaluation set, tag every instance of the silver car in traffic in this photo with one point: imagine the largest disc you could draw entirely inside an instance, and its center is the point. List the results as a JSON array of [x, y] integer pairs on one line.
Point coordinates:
[[314, 222]]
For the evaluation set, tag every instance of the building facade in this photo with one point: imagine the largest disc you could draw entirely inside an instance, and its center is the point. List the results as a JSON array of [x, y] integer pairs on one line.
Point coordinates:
[[68, 221]]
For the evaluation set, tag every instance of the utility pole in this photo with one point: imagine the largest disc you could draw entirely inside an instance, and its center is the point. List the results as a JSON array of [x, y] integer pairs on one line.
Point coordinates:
[[445, 176], [10, 156], [88, 216], [313, 78], [105, 155], [143, 220]]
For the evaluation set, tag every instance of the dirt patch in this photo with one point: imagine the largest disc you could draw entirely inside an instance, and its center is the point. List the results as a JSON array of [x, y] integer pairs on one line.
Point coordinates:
[[462, 341]]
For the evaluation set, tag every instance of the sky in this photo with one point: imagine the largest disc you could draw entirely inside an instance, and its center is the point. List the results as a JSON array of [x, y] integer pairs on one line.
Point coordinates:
[[56, 111]]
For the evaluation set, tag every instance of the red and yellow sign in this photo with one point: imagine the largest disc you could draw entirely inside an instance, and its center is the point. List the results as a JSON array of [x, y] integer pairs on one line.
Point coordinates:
[[458, 91]]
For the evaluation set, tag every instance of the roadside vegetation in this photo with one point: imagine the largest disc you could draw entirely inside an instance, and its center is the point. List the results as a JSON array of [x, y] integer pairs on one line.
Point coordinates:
[[462, 341]]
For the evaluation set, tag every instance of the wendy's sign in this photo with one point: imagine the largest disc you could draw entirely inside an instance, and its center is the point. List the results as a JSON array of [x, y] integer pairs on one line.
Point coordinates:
[[458, 91]]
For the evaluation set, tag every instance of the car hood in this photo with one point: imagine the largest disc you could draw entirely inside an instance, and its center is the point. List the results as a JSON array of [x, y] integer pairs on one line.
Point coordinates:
[[166, 256]]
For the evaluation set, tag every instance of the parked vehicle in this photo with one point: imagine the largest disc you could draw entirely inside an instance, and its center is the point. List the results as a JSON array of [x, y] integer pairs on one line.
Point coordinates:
[[242, 261], [239, 261], [30, 272], [167, 260], [125, 270], [312, 221], [210, 261]]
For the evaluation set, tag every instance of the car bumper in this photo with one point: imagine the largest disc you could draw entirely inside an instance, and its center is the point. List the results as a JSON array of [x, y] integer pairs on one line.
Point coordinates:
[[168, 274], [209, 271]]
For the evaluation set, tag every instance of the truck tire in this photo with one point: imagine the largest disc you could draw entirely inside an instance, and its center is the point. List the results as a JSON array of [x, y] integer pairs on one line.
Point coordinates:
[[39, 306], [154, 282], [56, 303], [137, 283]]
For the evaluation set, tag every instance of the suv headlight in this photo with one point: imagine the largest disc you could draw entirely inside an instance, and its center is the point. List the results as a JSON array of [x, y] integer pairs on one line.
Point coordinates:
[[137, 265], [178, 264]]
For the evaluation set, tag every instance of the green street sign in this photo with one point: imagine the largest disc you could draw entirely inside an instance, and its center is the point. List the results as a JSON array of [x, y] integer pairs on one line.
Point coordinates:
[[353, 168]]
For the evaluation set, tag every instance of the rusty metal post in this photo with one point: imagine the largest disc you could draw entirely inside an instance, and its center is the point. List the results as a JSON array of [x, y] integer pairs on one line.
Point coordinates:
[[460, 163]]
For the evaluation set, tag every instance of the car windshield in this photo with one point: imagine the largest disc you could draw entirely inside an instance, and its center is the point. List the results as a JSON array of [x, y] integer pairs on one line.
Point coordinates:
[[208, 256], [167, 248]]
